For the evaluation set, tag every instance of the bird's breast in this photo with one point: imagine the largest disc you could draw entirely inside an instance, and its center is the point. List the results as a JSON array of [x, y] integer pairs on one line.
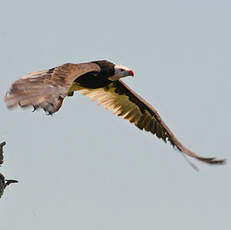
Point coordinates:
[[92, 80]]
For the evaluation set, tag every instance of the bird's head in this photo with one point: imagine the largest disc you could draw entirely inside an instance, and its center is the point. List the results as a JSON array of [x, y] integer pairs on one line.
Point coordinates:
[[120, 72]]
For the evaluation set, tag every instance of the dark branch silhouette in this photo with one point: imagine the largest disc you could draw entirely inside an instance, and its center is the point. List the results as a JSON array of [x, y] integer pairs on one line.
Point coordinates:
[[3, 182], [1, 152]]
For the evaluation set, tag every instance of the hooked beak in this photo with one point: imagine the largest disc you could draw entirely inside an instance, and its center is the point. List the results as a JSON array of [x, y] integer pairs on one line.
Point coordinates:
[[129, 73], [122, 75]]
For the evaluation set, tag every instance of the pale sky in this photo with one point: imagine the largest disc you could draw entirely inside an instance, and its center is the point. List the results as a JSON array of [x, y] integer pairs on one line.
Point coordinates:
[[84, 168]]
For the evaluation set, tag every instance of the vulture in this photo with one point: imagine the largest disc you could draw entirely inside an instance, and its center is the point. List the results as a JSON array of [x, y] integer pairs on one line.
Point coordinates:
[[3, 182], [100, 81]]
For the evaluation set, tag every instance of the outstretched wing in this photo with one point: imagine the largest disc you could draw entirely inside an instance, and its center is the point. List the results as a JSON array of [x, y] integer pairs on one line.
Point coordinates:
[[124, 102], [46, 89]]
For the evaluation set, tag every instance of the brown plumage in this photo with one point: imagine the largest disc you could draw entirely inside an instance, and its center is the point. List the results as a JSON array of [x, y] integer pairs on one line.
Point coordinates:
[[99, 81], [46, 89]]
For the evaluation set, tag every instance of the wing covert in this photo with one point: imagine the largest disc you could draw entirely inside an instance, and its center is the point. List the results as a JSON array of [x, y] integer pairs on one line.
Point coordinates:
[[46, 89]]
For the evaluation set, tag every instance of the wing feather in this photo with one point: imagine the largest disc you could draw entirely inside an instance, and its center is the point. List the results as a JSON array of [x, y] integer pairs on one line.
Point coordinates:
[[46, 89], [124, 102]]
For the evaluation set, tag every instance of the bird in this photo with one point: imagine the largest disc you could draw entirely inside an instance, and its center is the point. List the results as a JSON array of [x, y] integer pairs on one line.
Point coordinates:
[[100, 81]]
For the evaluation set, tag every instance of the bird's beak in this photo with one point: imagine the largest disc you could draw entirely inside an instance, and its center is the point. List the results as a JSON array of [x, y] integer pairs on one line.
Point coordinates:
[[129, 73], [122, 75]]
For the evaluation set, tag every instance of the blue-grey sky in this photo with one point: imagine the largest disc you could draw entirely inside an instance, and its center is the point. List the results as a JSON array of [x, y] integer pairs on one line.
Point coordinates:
[[84, 168]]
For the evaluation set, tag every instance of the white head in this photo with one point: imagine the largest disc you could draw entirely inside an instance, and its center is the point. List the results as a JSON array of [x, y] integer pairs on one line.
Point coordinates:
[[120, 72]]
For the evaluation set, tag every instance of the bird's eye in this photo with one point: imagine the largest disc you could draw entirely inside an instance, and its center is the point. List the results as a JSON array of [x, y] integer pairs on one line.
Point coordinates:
[[121, 70]]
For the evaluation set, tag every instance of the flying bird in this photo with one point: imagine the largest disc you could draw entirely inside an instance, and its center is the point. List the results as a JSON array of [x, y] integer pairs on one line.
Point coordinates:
[[100, 81]]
